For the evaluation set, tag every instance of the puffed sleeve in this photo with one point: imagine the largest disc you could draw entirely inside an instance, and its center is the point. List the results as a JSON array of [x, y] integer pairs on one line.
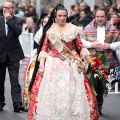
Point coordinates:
[[80, 47], [44, 49]]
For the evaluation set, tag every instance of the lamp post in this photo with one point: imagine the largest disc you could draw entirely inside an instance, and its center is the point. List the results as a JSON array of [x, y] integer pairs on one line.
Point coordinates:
[[38, 7], [68, 4]]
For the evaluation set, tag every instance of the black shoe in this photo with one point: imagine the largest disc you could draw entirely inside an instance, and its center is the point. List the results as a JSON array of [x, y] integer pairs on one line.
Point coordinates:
[[1, 108], [100, 112], [18, 108]]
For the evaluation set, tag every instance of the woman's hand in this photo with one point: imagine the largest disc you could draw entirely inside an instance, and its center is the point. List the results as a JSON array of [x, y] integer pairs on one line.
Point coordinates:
[[87, 57], [80, 70]]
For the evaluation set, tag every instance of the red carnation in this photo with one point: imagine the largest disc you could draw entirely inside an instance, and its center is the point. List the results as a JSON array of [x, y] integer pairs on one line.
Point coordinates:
[[98, 61], [100, 67], [93, 70], [94, 64], [106, 71], [106, 76]]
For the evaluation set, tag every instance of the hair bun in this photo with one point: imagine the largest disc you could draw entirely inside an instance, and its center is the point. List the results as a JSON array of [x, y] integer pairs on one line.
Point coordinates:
[[59, 5]]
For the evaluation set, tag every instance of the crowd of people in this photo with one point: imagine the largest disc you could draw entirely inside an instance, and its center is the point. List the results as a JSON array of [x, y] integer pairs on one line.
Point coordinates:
[[56, 85]]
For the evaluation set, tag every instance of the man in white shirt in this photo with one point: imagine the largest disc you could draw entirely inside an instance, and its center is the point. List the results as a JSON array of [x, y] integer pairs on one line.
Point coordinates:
[[101, 37]]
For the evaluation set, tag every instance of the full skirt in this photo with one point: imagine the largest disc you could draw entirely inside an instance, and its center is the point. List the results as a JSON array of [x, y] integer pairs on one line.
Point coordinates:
[[62, 94]]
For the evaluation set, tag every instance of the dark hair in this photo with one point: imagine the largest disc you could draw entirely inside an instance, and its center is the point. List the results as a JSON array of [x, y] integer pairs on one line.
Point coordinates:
[[96, 7], [82, 2], [72, 7], [102, 9], [50, 22], [99, 5], [41, 17], [116, 14], [85, 11], [42, 20], [114, 9]]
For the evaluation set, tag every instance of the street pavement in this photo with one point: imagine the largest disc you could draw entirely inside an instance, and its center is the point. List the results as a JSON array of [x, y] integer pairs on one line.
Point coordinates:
[[111, 107]]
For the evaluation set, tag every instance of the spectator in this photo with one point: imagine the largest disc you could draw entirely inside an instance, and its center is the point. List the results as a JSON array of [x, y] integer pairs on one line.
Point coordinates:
[[18, 12], [85, 18], [93, 10], [116, 21], [32, 13], [113, 10], [107, 5], [29, 25], [98, 38], [82, 6], [38, 24], [72, 10], [31, 64], [76, 14], [50, 9], [100, 5], [38, 34], [10, 54]]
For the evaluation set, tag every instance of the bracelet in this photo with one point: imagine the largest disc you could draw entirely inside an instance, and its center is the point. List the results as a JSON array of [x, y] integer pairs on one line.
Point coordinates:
[[41, 66]]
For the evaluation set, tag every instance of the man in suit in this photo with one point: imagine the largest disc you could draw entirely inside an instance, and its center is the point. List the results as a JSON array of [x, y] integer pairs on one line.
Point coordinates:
[[10, 54]]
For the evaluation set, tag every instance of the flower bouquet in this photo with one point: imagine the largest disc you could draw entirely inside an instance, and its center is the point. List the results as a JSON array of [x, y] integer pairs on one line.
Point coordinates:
[[98, 70]]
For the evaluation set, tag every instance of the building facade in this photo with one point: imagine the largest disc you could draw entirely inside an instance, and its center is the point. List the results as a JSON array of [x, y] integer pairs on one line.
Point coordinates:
[[54, 2], [46, 3]]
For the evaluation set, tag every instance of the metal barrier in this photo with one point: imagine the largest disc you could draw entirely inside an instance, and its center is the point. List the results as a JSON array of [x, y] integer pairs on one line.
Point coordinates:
[[26, 40], [116, 89]]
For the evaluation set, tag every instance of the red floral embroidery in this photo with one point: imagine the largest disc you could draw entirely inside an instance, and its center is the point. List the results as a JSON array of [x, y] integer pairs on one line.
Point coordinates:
[[91, 99], [33, 98], [79, 44]]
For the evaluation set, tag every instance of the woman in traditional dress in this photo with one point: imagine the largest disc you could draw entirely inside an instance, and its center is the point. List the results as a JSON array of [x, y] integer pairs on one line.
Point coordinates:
[[59, 88]]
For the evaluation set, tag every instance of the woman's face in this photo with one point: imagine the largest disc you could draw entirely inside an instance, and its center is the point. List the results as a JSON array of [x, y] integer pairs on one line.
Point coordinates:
[[45, 21], [115, 17], [82, 14], [61, 17]]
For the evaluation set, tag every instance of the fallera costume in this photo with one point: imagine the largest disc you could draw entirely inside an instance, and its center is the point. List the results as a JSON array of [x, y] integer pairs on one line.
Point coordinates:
[[29, 70], [62, 93]]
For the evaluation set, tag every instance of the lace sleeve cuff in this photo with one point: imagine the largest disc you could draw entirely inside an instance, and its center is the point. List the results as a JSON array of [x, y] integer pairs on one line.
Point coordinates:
[[84, 52], [42, 54]]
